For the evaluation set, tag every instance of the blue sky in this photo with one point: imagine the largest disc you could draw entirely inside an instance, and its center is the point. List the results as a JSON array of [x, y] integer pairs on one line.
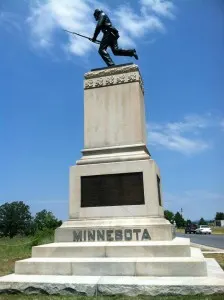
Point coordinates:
[[180, 44]]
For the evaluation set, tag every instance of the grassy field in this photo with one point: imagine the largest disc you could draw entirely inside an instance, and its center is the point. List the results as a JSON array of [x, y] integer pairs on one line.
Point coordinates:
[[217, 230], [12, 250], [19, 248]]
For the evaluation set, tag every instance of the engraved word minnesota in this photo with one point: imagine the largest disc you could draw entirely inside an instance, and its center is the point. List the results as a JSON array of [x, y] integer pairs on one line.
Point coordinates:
[[110, 235]]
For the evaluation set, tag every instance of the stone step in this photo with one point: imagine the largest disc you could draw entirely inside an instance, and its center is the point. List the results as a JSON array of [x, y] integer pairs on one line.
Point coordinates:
[[116, 285], [178, 247], [108, 266]]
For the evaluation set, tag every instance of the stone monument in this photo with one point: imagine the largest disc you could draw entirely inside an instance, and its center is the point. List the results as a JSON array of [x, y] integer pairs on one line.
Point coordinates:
[[116, 240]]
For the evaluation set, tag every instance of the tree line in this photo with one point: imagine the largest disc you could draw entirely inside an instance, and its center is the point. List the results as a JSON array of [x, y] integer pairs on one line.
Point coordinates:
[[16, 219], [180, 222]]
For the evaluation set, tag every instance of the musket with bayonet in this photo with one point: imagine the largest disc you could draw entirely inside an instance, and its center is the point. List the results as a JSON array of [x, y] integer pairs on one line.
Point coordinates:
[[86, 37]]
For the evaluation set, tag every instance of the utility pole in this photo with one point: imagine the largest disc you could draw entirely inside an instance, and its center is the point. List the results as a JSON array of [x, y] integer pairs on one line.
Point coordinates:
[[181, 211]]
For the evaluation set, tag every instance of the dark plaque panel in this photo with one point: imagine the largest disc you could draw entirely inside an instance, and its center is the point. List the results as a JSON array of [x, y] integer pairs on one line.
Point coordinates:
[[159, 192], [112, 190]]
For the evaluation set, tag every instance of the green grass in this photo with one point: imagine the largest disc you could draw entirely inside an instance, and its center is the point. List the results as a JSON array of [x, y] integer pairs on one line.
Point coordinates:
[[19, 248], [12, 250], [180, 230], [217, 230]]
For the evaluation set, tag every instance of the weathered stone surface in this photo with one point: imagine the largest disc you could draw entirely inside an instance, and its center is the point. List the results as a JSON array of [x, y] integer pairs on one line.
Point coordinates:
[[193, 265], [178, 247], [114, 110], [52, 285], [116, 285]]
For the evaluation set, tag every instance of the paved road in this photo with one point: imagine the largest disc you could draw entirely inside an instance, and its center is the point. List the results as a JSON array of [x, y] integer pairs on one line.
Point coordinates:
[[213, 240]]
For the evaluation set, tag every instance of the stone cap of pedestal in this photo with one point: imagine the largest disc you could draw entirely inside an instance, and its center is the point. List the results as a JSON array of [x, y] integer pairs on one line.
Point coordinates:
[[115, 75], [114, 154], [116, 222]]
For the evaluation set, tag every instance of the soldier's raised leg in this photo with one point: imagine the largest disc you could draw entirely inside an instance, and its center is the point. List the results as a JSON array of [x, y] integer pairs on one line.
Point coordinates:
[[122, 52]]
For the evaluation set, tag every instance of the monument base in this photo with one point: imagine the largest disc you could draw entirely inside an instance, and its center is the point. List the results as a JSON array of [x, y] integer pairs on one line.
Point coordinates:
[[125, 258], [115, 259], [119, 285], [140, 266]]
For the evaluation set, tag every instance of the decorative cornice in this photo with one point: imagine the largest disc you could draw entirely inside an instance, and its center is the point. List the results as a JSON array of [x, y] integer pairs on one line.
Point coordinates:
[[111, 71], [113, 76]]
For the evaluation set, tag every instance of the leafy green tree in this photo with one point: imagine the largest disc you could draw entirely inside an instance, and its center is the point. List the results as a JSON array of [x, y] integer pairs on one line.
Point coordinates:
[[46, 220], [180, 222], [202, 222], [219, 216], [15, 218], [168, 215], [189, 222]]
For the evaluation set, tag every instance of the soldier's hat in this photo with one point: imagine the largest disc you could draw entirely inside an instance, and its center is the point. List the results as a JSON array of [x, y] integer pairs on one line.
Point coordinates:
[[97, 12]]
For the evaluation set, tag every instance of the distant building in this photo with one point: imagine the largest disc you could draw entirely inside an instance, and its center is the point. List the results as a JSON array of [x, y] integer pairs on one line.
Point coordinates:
[[219, 223]]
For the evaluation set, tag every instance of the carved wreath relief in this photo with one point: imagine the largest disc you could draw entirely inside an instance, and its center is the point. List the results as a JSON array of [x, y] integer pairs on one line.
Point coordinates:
[[121, 78], [113, 79], [132, 77], [99, 82], [109, 80], [89, 84]]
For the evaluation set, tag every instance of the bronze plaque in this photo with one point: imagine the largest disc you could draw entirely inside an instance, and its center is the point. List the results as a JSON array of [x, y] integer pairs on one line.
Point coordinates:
[[112, 190]]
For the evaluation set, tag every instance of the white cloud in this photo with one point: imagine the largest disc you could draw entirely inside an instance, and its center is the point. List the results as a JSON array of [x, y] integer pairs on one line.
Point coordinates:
[[164, 8], [137, 25], [186, 137], [48, 17], [51, 15], [174, 141]]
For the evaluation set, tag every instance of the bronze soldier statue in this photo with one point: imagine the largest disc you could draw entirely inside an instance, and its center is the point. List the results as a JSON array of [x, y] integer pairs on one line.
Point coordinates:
[[110, 37]]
